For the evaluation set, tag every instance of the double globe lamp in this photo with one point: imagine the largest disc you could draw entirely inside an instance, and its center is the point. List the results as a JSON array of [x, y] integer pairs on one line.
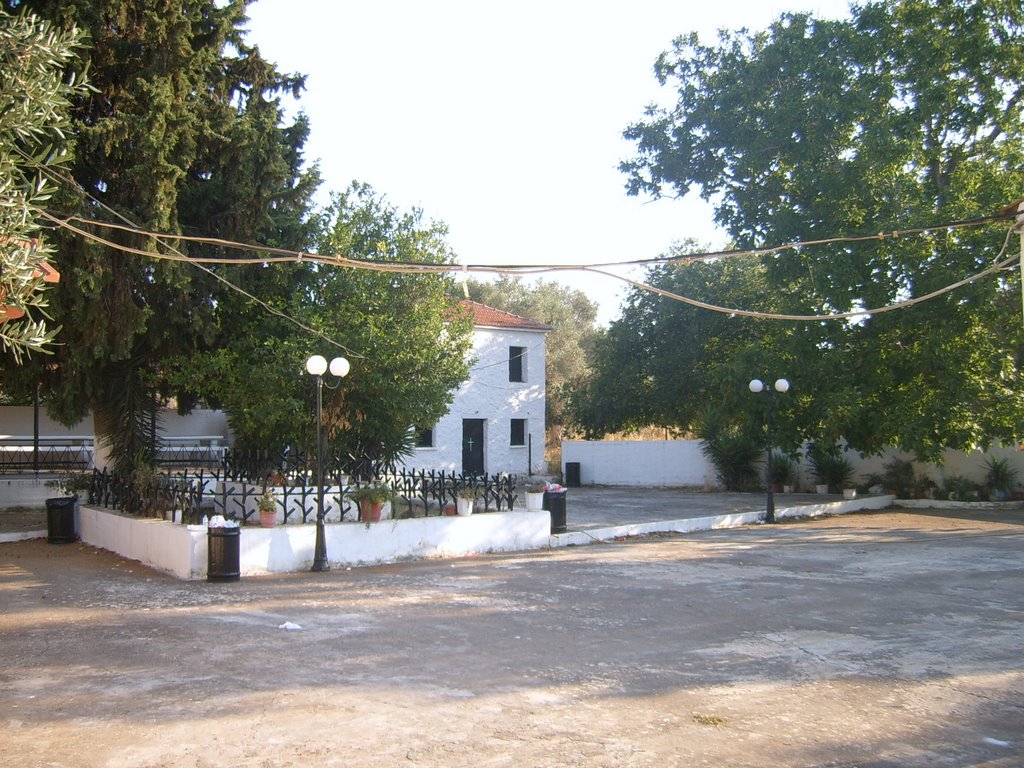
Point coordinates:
[[757, 387], [317, 366]]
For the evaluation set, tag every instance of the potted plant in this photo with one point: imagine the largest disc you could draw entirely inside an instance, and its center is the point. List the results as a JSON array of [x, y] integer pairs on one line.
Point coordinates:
[[60, 510], [535, 496], [783, 472], [464, 503], [832, 471], [267, 506], [999, 479], [371, 499]]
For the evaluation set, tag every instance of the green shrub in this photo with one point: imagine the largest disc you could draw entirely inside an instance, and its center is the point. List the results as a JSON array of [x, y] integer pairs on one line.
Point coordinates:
[[830, 468]]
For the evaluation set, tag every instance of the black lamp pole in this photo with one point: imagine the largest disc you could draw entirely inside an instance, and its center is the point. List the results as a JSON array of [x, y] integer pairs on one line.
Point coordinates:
[[320, 548], [317, 366], [757, 386]]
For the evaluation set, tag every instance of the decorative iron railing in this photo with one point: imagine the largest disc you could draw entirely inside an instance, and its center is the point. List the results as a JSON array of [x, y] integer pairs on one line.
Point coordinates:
[[189, 496], [16, 458]]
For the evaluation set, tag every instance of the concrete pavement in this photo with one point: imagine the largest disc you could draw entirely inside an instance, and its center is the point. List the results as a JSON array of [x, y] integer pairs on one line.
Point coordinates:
[[882, 640]]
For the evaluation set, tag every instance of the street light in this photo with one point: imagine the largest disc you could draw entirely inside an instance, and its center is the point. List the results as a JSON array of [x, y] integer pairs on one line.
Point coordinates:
[[317, 366], [757, 386]]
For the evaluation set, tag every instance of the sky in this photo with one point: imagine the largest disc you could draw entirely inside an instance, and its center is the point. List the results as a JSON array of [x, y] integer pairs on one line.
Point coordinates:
[[503, 120]]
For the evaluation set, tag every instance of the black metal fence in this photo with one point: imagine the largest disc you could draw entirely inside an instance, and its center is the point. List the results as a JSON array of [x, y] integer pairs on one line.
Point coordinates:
[[19, 457], [189, 496]]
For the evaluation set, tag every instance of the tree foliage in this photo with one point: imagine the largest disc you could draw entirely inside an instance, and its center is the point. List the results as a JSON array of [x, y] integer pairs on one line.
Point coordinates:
[[402, 334], [571, 314], [907, 115], [182, 132], [37, 81]]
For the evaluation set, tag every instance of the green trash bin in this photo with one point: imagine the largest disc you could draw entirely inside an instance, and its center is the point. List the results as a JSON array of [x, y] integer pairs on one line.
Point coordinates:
[[222, 554], [60, 520]]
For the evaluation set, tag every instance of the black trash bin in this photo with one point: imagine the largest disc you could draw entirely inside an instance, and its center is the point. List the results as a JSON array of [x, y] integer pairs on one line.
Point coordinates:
[[572, 474], [60, 520], [554, 502], [222, 557]]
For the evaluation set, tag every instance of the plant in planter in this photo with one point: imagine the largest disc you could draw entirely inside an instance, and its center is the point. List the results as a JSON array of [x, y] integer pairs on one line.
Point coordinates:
[[71, 483], [267, 507], [466, 498], [831, 469], [371, 500], [535, 496], [898, 477], [1000, 478], [783, 474]]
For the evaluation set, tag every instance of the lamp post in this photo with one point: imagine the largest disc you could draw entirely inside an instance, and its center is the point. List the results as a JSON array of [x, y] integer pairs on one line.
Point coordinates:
[[757, 386], [317, 366]]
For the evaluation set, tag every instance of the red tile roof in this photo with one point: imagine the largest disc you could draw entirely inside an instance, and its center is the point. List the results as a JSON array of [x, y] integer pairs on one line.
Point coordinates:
[[490, 317]]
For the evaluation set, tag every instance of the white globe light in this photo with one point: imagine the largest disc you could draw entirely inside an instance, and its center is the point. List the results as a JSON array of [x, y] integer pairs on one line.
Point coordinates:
[[339, 367], [316, 365], [781, 385], [756, 386]]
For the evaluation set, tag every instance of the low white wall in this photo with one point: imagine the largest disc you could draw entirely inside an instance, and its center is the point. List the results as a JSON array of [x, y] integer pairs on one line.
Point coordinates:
[[674, 463], [654, 463], [182, 550], [712, 522], [165, 546]]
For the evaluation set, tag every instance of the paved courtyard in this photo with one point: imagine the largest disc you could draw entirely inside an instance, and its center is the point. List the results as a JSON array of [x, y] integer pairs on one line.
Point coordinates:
[[873, 640]]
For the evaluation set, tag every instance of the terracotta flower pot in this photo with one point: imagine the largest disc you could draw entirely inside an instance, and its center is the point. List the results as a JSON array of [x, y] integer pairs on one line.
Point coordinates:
[[268, 518], [369, 511]]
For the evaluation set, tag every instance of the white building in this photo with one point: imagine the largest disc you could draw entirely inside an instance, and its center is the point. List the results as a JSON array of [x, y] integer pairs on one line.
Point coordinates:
[[496, 421]]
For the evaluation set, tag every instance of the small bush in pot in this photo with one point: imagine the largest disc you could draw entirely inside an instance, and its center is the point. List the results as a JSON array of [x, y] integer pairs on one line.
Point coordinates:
[[371, 500]]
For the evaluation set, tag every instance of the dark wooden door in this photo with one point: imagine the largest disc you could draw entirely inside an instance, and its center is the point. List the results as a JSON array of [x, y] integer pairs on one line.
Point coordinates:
[[472, 446]]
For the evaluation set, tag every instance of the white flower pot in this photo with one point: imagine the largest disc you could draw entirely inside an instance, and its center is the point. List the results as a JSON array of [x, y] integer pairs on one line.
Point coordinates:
[[534, 502], [464, 507]]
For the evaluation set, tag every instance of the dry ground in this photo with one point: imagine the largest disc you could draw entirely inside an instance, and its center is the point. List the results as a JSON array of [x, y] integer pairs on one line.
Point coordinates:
[[882, 640]]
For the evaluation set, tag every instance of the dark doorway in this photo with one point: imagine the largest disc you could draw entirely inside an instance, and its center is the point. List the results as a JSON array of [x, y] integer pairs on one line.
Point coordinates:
[[472, 446]]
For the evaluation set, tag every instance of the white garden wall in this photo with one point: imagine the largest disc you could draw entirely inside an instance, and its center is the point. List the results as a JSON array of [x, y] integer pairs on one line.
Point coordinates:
[[678, 463], [181, 550]]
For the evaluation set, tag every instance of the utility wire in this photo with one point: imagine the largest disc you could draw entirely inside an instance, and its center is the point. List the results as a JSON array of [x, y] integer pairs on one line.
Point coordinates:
[[282, 254], [995, 267], [76, 187], [420, 268]]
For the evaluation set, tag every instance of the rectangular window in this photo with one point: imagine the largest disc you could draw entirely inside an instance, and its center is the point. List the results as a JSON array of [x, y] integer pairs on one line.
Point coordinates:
[[518, 436], [517, 364], [425, 438]]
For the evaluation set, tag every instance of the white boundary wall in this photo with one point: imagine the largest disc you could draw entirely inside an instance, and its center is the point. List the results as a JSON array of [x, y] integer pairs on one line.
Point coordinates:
[[181, 550], [651, 463], [678, 463]]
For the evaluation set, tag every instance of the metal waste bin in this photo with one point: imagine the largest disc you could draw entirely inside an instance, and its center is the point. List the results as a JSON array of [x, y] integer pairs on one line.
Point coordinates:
[[222, 554], [554, 502], [60, 520], [572, 474]]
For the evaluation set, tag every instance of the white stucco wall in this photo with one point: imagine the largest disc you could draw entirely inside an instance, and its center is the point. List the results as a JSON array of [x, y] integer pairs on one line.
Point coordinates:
[[680, 463], [489, 395], [16, 421], [181, 550]]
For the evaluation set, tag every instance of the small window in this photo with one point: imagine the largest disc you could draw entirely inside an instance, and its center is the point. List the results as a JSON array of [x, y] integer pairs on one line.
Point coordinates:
[[517, 364], [425, 438], [518, 436]]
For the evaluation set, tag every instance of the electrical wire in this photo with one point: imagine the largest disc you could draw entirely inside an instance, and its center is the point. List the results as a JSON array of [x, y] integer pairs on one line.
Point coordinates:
[[413, 268], [405, 267], [860, 313], [282, 254], [76, 187]]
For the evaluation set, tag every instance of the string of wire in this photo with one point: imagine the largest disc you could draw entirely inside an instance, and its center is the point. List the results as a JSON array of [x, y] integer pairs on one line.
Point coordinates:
[[276, 255]]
